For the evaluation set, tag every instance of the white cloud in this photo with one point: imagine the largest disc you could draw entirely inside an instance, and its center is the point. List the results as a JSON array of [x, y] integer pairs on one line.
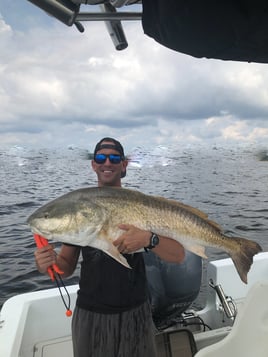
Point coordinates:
[[58, 86], [5, 29], [243, 131]]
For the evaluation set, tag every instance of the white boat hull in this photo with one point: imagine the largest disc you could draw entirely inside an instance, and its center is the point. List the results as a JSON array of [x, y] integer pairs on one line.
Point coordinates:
[[35, 324]]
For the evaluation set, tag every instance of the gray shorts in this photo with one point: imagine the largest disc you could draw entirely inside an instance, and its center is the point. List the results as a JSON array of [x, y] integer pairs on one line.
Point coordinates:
[[126, 334]]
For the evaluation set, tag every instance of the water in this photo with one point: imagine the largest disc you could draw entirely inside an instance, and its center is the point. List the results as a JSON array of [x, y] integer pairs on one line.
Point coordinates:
[[230, 185]]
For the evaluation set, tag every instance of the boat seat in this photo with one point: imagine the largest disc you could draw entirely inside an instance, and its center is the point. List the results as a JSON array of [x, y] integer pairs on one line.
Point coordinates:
[[249, 335]]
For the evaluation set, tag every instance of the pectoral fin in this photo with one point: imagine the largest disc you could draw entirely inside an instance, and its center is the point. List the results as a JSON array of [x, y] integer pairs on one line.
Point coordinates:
[[114, 253], [108, 248]]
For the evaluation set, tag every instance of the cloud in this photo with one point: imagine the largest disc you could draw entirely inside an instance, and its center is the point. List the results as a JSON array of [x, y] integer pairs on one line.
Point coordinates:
[[58, 86]]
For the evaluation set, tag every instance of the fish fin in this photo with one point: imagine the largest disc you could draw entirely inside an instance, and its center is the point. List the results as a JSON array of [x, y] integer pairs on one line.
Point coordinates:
[[195, 211], [200, 214], [243, 258], [115, 254], [108, 248], [198, 250]]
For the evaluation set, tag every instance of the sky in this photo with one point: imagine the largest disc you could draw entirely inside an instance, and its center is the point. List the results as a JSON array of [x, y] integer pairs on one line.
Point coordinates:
[[60, 87]]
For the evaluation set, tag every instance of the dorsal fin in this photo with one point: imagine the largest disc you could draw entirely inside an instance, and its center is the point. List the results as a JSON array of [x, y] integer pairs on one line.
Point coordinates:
[[193, 210]]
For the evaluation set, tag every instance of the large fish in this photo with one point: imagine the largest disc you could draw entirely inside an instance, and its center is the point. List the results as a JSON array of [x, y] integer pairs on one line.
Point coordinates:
[[90, 217]]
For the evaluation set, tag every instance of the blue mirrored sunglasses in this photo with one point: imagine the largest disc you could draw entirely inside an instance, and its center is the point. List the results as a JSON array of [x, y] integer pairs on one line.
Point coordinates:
[[114, 159]]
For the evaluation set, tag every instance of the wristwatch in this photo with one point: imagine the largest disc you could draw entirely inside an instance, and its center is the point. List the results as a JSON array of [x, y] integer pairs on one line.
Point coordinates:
[[154, 241]]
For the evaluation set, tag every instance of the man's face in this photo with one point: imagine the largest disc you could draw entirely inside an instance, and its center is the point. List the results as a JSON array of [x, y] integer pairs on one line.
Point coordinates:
[[109, 174]]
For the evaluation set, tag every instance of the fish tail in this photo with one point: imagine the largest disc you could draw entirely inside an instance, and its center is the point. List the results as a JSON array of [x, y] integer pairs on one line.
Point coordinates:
[[243, 257]]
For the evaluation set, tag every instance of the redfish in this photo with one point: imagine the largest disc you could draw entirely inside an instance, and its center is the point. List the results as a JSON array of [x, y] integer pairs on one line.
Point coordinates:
[[90, 217]]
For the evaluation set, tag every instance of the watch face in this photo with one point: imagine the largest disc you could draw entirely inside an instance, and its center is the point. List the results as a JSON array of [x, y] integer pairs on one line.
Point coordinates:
[[155, 240]]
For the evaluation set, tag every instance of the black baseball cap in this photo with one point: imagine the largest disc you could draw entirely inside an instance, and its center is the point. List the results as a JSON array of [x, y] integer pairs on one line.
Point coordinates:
[[114, 144]]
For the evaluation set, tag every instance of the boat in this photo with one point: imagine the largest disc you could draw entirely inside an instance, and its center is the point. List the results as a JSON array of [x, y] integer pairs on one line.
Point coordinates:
[[233, 321]]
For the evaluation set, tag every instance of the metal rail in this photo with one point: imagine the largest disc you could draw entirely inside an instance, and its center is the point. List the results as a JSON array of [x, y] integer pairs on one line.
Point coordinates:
[[96, 16]]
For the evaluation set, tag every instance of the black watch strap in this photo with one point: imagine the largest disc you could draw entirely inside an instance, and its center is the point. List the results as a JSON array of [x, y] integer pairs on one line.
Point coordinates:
[[154, 241]]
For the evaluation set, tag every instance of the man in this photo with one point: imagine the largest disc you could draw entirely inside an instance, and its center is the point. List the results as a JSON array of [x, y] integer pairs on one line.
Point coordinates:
[[112, 317]]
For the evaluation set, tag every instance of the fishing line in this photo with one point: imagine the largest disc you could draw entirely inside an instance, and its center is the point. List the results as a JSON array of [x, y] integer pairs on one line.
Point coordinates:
[[60, 285]]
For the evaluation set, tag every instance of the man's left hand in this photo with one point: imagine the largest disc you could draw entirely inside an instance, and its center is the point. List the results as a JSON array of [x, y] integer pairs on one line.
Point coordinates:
[[133, 239]]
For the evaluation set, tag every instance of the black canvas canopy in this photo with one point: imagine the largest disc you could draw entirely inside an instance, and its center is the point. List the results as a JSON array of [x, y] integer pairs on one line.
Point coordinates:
[[221, 29]]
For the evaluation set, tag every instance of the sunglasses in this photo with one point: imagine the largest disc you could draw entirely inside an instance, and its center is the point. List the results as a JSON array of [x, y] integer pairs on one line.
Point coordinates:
[[114, 159]]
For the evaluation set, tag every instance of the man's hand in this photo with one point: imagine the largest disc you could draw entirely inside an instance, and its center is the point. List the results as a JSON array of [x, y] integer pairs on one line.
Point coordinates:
[[133, 239], [45, 257]]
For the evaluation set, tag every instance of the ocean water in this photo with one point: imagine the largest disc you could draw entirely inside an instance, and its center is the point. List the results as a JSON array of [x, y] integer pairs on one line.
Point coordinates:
[[230, 185]]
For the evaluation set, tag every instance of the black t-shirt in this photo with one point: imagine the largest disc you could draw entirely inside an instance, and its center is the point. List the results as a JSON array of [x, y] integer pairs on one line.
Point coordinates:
[[106, 286]]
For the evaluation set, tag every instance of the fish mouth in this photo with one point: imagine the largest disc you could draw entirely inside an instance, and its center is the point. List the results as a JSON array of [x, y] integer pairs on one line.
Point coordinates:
[[35, 230]]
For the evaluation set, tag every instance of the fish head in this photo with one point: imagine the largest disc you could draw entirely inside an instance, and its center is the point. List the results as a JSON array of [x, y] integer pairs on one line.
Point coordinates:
[[68, 220]]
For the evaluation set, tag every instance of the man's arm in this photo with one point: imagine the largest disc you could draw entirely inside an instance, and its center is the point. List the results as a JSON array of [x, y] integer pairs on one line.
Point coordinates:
[[134, 239], [170, 250]]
